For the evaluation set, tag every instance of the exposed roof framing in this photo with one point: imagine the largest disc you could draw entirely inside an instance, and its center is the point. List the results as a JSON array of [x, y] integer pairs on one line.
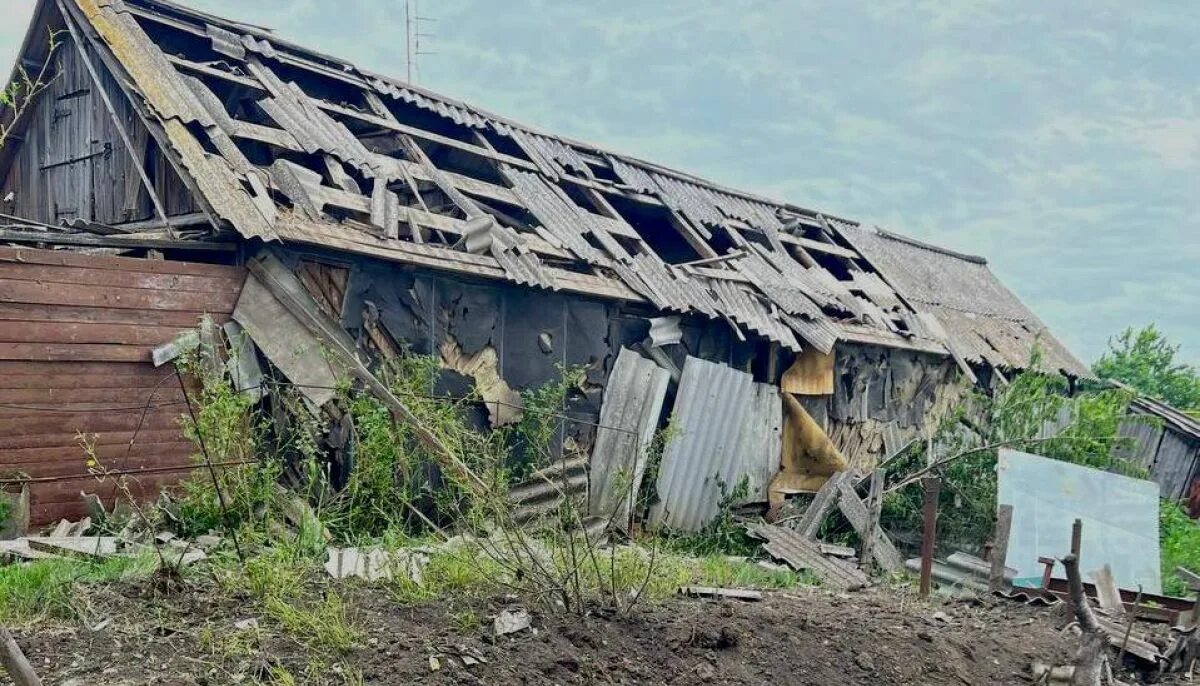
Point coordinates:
[[281, 142]]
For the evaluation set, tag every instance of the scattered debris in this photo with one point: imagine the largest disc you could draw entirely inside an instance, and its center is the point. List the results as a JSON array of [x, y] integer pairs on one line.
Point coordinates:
[[375, 564], [713, 592], [802, 554], [511, 621]]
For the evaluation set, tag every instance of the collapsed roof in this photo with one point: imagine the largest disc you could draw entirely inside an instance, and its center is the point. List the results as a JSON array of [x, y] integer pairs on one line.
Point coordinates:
[[278, 142]]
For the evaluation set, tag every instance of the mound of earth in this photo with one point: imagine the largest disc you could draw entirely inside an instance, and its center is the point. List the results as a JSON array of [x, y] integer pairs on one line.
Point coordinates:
[[806, 636]]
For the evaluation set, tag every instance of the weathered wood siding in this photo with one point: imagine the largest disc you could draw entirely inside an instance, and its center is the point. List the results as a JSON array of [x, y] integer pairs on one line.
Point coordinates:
[[76, 333], [72, 163]]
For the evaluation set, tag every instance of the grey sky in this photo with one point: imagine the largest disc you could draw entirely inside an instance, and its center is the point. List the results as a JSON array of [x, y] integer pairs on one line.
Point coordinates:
[[1060, 140]]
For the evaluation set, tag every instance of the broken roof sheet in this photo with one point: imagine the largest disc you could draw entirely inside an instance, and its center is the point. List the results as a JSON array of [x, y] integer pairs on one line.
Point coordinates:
[[983, 320], [284, 142]]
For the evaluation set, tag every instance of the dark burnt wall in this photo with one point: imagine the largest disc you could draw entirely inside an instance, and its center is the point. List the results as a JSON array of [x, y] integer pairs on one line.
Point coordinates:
[[883, 398]]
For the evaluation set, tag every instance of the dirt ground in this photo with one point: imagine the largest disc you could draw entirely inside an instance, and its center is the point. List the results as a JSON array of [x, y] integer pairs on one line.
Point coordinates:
[[805, 636]]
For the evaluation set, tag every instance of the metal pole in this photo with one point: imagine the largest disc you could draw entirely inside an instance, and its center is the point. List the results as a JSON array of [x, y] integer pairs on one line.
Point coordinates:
[[933, 487]]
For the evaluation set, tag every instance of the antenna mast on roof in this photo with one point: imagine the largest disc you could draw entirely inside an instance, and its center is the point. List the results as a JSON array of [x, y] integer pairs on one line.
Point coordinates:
[[413, 36]]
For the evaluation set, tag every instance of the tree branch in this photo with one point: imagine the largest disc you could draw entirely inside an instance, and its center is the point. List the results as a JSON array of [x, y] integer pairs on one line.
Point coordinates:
[[916, 476]]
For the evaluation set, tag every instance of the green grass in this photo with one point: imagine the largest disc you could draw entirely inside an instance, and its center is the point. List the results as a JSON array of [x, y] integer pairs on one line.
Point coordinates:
[[51, 588], [323, 625], [1179, 538]]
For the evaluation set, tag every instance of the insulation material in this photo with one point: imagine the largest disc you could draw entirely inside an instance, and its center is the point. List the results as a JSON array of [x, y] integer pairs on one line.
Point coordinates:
[[727, 430], [503, 403], [809, 458], [633, 401], [810, 374], [1120, 518]]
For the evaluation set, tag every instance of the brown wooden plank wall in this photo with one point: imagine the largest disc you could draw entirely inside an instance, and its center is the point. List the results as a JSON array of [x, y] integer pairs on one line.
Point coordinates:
[[76, 332]]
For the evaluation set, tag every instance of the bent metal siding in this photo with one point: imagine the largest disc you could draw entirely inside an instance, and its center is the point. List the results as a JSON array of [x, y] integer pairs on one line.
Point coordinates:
[[76, 332]]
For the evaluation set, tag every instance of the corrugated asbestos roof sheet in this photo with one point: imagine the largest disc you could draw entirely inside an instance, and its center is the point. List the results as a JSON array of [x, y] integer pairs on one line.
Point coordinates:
[[801, 553], [1177, 420], [728, 429], [297, 100], [985, 322], [633, 400]]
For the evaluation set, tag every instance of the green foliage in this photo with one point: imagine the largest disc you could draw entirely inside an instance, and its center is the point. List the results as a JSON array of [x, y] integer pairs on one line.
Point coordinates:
[[724, 535], [1146, 360], [391, 474], [56, 587], [1179, 541], [228, 428], [1019, 416], [535, 437]]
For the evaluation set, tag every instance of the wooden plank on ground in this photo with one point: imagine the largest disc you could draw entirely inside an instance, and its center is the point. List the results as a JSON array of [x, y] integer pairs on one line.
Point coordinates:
[[997, 580], [882, 550], [714, 592], [1107, 592], [822, 503]]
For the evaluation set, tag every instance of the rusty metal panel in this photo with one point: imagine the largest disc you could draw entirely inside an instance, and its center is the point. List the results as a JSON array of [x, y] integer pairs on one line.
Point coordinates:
[[728, 429], [76, 333]]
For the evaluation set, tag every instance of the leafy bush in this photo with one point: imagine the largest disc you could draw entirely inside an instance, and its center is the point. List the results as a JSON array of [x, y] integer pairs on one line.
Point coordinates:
[[1179, 540], [227, 430], [1145, 360], [1028, 414]]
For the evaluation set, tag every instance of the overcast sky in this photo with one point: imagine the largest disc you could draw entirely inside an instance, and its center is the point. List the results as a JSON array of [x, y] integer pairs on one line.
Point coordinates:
[[1061, 140]]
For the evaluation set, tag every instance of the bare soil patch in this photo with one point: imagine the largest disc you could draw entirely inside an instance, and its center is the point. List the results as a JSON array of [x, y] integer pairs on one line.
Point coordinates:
[[806, 636]]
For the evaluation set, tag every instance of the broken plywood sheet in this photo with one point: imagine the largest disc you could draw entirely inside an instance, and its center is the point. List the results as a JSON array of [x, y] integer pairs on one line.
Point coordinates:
[[1119, 514], [286, 342], [633, 400], [503, 403], [803, 554], [808, 459], [727, 429], [810, 374]]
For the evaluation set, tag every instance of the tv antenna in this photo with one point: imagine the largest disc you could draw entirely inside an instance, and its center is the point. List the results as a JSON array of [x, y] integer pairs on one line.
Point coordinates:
[[413, 34]]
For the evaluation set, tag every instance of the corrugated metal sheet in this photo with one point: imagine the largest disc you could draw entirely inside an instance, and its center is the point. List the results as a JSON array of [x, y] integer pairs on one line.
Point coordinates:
[[456, 112], [810, 301], [543, 492], [804, 555], [565, 221], [75, 343], [633, 400], [728, 428], [633, 176], [980, 317]]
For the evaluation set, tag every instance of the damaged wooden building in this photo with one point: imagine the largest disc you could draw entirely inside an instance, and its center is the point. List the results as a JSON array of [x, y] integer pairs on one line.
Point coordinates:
[[181, 165]]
